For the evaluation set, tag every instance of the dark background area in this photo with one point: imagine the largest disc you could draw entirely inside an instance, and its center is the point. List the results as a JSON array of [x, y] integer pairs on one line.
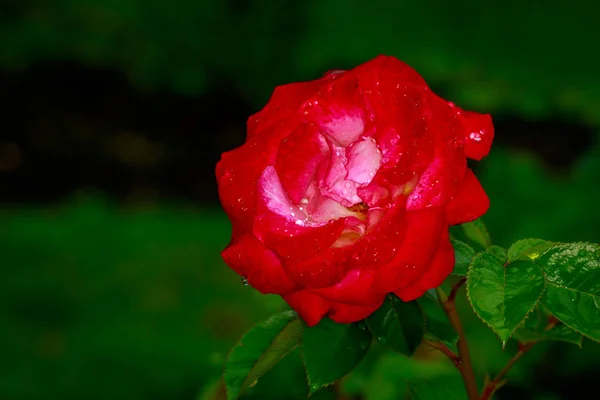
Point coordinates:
[[115, 112]]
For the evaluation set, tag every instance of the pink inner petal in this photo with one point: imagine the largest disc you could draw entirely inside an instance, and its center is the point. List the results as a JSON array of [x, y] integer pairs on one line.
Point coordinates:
[[326, 209], [276, 199], [334, 184], [344, 128], [363, 161], [350, 169]]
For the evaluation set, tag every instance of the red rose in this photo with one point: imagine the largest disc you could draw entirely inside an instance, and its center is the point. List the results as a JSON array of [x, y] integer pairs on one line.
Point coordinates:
[[345, 189]]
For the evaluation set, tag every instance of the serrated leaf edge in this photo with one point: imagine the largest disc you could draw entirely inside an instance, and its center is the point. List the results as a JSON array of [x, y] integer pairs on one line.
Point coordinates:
[[468, 292], [558, 244], [483, 226], [570, 327], [526, 252]]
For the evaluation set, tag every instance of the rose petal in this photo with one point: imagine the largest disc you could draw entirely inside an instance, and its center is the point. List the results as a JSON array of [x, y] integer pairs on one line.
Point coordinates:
[[393, 91], [479, 133], [294, 242], [322, 270], [323, 209], [259, 265], [337, 109], [347, 313], [383, 239], [356, 288], [333, 182], [363, 161], [469, 203], [276, 200], [438, 183], [310, 307], [237, 174], [374, 194], [282, 108], [421, 241], [441, 266], [298, 159]]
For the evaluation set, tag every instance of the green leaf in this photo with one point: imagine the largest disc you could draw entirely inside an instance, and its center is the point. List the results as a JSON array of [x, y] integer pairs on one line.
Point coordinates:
[[502, 296], [573, 286], [398, 324], [478, 233], [332, 350], [259, 350], [396, 376], [463, 254], [531, 248], [437, 326], [499, 252], [535, 329]]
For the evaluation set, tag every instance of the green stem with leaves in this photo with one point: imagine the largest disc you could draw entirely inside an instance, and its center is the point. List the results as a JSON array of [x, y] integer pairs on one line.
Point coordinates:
[[464, 366]]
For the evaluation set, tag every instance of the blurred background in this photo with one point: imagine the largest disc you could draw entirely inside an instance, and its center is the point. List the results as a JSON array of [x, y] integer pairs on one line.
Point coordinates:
[[114, 113]]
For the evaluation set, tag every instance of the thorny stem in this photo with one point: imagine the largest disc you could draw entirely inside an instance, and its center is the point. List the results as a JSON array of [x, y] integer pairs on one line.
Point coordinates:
[[465, 366]]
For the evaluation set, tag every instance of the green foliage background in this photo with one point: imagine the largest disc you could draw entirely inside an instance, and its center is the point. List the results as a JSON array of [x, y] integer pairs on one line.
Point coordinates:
[[100, 301]]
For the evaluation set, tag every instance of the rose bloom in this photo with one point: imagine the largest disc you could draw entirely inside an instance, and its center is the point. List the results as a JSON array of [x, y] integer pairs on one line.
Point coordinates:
[[345, 189]]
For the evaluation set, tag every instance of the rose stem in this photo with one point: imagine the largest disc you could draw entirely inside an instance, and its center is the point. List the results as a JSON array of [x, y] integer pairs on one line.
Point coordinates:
[[446, 351], [490, 388], [465, 367]]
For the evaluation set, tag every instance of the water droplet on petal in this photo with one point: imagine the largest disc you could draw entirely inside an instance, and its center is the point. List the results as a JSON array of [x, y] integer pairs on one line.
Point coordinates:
[[476, 136]]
